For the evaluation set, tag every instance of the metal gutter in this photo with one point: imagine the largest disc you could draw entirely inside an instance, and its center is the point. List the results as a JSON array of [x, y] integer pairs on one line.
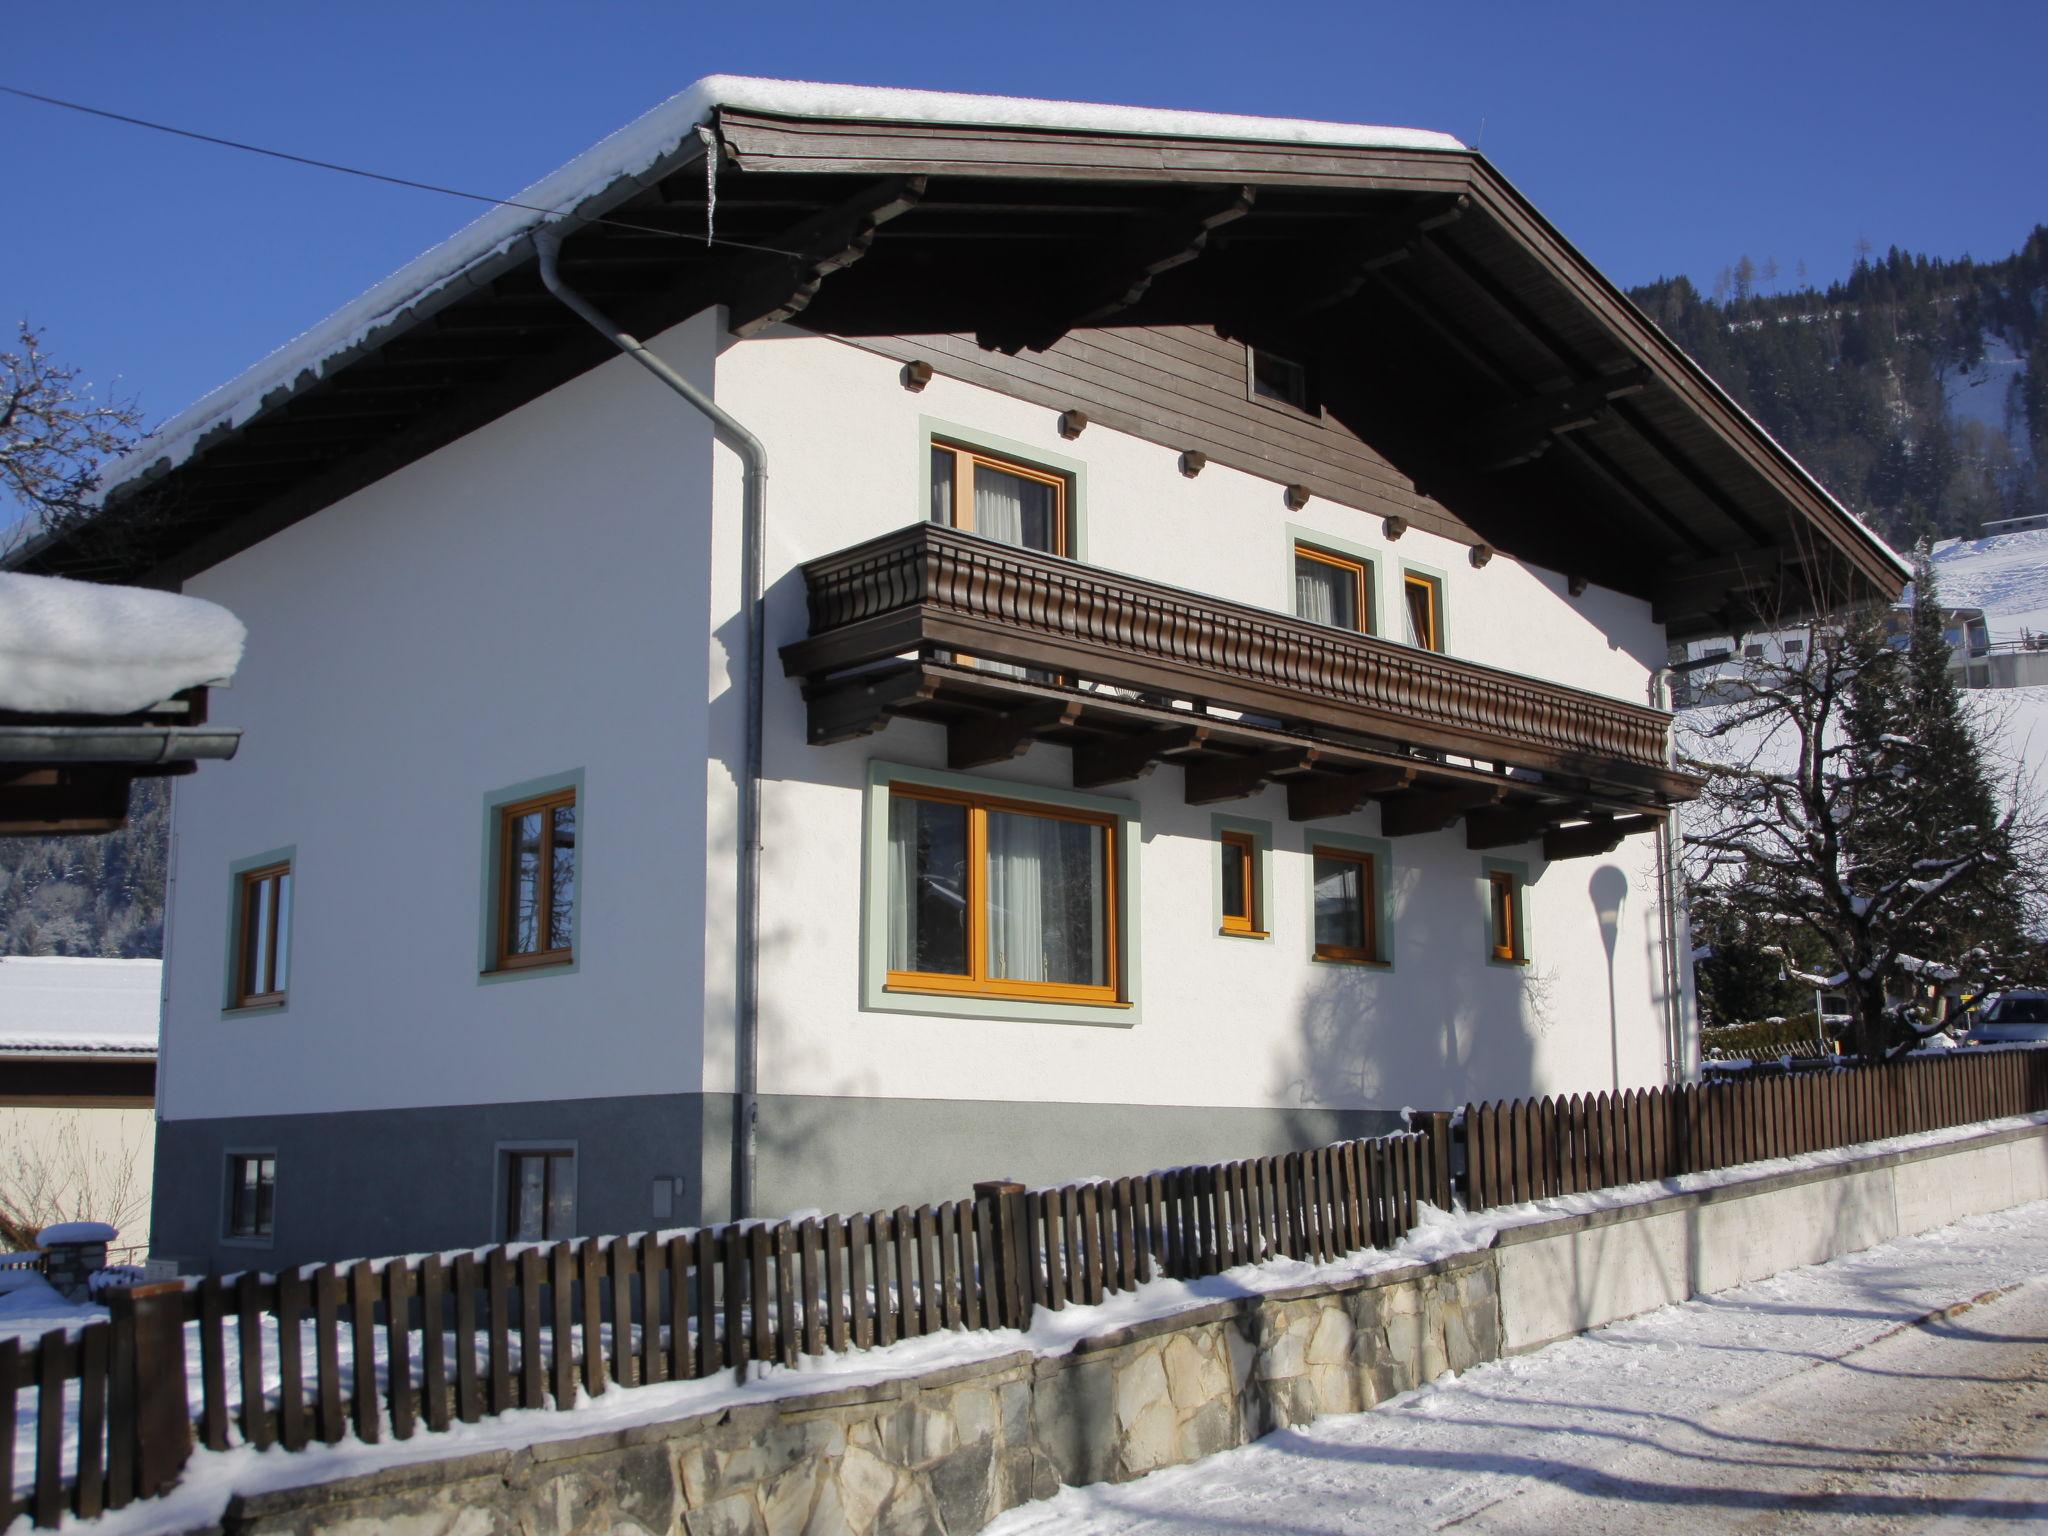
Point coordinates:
[[547, 243], [125, 744]]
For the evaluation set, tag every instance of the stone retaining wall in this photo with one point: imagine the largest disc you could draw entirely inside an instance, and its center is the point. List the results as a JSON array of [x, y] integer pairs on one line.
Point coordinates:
[[948, 1450]]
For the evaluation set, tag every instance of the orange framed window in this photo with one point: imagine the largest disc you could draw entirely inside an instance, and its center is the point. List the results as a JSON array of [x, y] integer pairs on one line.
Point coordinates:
[[998, 498], [535, 923], [1239, 853], [994, 897], [1332, 589], [263, 931], [1346, 906], [1424, 601], [1504, 915]]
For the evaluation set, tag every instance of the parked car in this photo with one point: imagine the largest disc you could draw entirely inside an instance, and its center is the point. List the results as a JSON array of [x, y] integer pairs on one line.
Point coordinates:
[[2017, 1017]]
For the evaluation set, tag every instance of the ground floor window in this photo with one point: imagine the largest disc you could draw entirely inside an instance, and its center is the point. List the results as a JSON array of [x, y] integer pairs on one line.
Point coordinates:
[[540, 1186], [1506, 921], [1000, 897], [1346, 891], [252, 1194]]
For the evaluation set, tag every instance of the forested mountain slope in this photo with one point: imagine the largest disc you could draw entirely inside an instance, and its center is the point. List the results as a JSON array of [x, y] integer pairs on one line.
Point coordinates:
[[1916, 389]]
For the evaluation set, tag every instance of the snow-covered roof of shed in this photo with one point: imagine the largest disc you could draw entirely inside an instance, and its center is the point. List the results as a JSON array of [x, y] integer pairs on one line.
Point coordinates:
[[80, 647], [650, 142], [58, 1004]]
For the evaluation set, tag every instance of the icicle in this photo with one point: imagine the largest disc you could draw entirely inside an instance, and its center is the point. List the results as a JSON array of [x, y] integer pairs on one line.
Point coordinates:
[[710, 178]]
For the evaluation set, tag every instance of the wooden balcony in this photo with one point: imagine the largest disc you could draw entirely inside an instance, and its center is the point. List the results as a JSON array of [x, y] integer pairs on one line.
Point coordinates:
[[1130, 673]]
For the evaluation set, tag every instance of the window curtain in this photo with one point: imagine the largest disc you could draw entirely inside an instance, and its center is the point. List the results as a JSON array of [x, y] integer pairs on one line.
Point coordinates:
[[1012, 509], [927, 887], [1323, 594], [1420, 602], [1046, 890]]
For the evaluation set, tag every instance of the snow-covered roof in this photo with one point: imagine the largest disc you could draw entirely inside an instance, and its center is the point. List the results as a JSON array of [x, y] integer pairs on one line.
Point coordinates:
[[2006, 575], [645, 148], [77, 647], [52, 1005]]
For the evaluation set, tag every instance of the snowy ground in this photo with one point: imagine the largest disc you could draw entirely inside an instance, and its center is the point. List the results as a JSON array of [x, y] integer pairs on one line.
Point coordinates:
[[1809, 1401]]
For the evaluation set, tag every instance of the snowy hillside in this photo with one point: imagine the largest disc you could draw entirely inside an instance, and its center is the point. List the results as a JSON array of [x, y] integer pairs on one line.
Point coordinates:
[[2006, 576]]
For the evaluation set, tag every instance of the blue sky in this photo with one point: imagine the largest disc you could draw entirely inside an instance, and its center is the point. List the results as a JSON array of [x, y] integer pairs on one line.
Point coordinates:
[[1659, 138]]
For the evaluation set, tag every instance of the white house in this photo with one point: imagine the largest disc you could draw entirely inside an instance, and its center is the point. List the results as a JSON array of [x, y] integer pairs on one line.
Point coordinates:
[[78, 1046], [1214, 575]]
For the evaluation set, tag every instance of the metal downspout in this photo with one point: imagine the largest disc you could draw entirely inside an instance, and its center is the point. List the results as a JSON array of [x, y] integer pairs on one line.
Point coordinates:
[[1668, 887], [547, 244]]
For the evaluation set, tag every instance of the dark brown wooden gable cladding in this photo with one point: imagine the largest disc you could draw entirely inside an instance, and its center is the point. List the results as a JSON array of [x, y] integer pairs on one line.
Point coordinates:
[[1488, 367], [1184, 388]]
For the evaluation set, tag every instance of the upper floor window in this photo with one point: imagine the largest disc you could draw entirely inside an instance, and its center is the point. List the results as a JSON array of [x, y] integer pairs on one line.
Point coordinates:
[[1332, 589], [535, 923], [1423, 596], [1000, 498], [1001, 898], [1278, 378], [263, 928]]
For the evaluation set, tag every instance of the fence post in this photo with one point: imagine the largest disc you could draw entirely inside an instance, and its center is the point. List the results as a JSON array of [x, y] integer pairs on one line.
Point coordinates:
[[1012, 1289], [1436, 1125], [155, 1317]]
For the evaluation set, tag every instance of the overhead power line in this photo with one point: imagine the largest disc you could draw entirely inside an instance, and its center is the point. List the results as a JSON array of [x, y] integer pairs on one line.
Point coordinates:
[[352, 170]]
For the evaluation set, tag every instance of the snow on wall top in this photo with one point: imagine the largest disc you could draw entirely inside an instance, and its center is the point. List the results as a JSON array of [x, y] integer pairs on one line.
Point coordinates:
[[53, 1003], [78, 647], [639, 150]]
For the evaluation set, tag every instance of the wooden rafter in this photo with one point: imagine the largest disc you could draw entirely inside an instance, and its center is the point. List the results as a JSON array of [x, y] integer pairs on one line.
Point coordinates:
[[769, 289]]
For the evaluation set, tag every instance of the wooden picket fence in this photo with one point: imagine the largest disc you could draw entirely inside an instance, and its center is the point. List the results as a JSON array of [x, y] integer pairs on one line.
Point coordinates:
[[393, 1347], [1529, 1149]]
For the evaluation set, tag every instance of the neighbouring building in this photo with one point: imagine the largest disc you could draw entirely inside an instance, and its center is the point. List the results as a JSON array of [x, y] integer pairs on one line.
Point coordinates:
[[78, 1048], [1203, 695]]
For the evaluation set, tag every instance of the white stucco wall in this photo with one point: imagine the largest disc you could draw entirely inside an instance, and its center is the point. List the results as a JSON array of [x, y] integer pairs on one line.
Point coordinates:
[[1220, 1021], [527, 601]]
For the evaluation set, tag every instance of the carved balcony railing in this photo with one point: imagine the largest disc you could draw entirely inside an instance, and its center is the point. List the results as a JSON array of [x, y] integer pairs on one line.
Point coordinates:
[[930, 592]]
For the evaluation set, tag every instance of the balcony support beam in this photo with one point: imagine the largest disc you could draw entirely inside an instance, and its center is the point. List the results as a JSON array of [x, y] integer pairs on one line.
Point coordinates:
[[979, 740], [1503, 826], [1433, 810], [1316, 796], [1601, 835], [860, 708], [1214, 779], [1120, 759]]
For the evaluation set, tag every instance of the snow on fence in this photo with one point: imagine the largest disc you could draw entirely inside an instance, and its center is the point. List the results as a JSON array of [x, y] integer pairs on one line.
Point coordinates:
[[394, 1346], [1530, 1149]]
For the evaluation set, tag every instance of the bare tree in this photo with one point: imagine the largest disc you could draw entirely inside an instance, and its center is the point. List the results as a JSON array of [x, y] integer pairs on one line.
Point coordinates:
[[67, 1172], [54, 435], [1803, 831]]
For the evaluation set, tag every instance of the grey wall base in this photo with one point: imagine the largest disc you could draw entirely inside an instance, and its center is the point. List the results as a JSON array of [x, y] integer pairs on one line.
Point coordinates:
[[375, 1182]]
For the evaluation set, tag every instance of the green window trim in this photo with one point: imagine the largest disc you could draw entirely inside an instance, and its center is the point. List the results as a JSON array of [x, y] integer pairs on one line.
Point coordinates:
[[229, 1008], [489, 855], [877, 997], [932, 429], [1371, 559], [1381, 852], [1519, 871], [1261, 834]]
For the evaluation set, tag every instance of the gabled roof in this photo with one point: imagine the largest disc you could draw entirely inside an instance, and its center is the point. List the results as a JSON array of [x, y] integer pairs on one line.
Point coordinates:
[[1448, 324]]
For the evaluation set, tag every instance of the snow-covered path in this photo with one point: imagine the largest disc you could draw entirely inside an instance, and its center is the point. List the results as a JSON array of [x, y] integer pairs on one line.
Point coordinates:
[[1807, 1402]]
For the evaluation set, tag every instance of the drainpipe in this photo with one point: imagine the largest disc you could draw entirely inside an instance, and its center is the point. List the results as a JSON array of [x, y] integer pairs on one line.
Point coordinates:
[[547, 242], [1668, 887]]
